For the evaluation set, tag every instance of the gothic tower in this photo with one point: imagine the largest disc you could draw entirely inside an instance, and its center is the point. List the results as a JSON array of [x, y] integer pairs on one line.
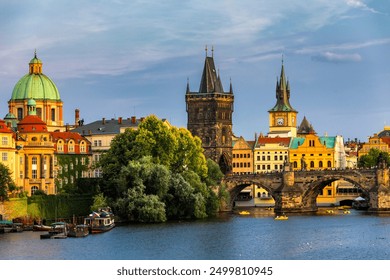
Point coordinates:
[[282, 117], [209, 113]]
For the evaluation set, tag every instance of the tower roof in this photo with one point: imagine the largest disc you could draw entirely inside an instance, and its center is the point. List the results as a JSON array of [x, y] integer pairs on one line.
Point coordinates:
[[210, 81], [305, 127], [35, 84], [282, 94]]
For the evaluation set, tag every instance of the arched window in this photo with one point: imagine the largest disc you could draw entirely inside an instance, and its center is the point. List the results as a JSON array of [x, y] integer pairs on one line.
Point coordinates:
[[320, 164], [71, 146], [329, 164], [34, 189], [295, 164], [312, 164], [60, 146]]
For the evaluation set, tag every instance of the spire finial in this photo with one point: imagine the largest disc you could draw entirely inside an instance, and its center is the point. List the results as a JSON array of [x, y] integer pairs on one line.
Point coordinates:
[[212, 51], [206, 50], [282, 59], [35, 53]]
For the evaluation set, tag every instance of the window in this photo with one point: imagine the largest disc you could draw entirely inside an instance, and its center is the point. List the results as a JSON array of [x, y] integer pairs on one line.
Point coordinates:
[[97, 143], [329, 192], [320, 164], [4, 156], [20, 114], [60, 146], [34, 174], [21, 174], [312, 164], [39, 112], [34, 189], [4, 141], [71, 146], [329, 164], [53, 114]]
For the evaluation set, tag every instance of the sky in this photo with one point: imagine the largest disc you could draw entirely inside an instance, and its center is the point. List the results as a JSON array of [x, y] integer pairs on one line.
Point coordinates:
[[133, 58]]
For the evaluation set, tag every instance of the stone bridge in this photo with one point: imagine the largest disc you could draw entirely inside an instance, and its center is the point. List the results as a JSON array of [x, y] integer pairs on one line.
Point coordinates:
[[297, 191]]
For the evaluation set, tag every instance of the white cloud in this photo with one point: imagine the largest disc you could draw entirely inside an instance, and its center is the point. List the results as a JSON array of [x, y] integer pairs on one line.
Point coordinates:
[[360, 5], [337, 57]]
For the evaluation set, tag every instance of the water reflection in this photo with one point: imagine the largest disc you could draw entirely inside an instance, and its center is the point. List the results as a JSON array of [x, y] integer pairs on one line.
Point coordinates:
[[230, 236]]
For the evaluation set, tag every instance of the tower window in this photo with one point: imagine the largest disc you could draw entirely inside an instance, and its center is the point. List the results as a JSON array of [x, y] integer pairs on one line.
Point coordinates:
[[20, 113], [53, 114]]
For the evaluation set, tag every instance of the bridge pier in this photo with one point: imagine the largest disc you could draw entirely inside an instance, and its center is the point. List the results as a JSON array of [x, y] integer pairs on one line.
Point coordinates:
[[380, 194]]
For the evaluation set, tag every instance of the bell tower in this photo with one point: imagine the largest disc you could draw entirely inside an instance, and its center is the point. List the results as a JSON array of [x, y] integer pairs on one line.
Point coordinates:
[[282, 117], [209, 115]]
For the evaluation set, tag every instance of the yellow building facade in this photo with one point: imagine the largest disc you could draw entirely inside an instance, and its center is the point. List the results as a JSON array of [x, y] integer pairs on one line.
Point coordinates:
[[7, 147]]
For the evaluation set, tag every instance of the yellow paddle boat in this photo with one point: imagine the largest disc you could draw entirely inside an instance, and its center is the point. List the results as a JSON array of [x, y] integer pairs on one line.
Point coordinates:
[[244, 212], [281, 217]]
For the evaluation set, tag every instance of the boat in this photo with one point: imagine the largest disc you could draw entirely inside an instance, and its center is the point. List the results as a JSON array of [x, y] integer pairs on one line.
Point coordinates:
[[100, 221], [41, 228], [78, 230], [6, 226], [17, 227], [281, 217], [347, 211], [58, 230], [329, 211], [244, 212]]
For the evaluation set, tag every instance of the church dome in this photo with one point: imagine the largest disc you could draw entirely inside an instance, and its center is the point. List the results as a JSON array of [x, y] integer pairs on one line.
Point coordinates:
[[35, 84]]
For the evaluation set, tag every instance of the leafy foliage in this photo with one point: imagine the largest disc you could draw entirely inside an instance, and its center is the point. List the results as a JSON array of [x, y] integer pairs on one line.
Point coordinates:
[[158, 172], [373, 159], [6, 183]]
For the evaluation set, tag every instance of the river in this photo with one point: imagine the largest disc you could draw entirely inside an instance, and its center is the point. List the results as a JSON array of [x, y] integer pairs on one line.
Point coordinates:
[[354, 236]]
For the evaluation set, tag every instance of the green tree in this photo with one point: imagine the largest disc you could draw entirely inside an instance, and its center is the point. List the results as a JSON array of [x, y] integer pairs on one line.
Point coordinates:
[[214, 175], [373, 158], [6, 183], [174, 148]]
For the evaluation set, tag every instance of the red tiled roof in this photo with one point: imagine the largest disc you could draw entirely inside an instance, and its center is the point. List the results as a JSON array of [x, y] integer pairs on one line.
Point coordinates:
[[32, 123], [4, 128], [273, 140], [66, 135]]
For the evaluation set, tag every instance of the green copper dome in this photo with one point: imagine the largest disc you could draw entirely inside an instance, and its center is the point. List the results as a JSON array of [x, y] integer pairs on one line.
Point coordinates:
[[35, 85]]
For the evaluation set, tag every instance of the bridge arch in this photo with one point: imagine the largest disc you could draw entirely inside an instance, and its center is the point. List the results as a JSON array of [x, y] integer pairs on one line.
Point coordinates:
[[314, 188]]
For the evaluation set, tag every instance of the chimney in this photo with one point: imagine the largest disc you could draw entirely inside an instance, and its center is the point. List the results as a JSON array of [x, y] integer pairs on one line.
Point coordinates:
[[103, 120], [133, 119], [120, 120], [77, 117]]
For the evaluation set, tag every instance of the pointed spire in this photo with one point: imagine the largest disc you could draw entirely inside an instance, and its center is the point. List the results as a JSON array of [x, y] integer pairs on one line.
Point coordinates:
[[212, 51], [35, 53], [231, 86], [206, 50]]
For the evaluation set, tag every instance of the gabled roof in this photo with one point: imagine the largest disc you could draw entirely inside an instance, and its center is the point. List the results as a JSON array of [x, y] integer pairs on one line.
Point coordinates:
[[104, 126], [67, 135], [4, 127]]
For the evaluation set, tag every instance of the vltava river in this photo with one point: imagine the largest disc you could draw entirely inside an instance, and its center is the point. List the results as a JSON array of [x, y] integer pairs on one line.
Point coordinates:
[[258, 236]]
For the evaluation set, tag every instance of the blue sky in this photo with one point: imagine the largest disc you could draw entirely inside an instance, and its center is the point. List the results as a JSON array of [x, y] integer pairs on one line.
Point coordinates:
[[124, 58]]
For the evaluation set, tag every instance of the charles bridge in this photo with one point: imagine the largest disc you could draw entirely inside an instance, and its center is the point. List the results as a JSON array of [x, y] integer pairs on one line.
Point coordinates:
[[297, 191]]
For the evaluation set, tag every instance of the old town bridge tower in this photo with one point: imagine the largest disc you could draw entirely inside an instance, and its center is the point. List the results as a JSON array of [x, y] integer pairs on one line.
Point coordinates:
[[209, 114]]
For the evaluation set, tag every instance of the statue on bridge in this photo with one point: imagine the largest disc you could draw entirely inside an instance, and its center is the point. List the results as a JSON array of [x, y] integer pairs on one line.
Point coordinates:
[[303, 163]]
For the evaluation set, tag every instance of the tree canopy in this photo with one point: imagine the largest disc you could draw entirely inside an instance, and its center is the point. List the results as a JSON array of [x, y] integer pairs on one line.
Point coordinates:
[[159, 172], [374, 158], [6, 183]]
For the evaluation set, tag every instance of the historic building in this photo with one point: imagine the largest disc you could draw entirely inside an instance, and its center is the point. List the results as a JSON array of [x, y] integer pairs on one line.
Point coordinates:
[[309, 151], [72, 159], [210, 113], [282, 117], [7, 147], [34, 160], [100, 133], [242, 162], [380, 141], [36, 85]]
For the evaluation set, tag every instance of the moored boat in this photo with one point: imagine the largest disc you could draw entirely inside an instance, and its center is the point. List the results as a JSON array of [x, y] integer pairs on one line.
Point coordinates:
[[41, 228], [100, 221], [78, 231], [57, 230], [244, 212], [6, 226]]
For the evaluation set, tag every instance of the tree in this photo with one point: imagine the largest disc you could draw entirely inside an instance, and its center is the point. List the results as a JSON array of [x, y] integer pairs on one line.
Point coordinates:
[[6, 183], [373, 158], [172, 147]]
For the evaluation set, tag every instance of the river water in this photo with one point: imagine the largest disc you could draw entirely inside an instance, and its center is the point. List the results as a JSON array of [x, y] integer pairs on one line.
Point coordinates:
[[354, 236]]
